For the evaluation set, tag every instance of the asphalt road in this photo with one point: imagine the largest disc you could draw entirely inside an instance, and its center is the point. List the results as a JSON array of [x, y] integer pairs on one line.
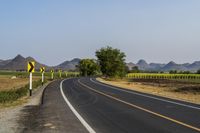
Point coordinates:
[[81, 105], [52, 116], [108, 109]]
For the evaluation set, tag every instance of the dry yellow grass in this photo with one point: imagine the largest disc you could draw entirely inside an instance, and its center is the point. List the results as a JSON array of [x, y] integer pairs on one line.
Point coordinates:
[[156, 90], [6, 83]]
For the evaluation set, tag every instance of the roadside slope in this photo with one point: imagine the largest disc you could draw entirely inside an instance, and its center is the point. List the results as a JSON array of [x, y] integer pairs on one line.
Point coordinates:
[[155, 90], [53, 115], [9, 117]]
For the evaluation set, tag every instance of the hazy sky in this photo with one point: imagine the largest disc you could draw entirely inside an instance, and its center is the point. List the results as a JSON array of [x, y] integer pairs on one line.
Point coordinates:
[[56, 30]]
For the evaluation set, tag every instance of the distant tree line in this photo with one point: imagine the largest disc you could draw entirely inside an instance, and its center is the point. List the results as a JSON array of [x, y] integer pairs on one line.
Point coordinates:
[[136, 70], [110, 62], [88, 67]]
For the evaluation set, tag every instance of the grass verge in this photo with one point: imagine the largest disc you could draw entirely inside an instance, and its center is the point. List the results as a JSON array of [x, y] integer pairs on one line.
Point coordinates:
[[170, 89], [16, 96]]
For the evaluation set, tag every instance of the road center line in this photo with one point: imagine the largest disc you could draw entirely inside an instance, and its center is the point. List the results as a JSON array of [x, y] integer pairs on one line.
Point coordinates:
[[141, 108], [181, 104], [85, 124]]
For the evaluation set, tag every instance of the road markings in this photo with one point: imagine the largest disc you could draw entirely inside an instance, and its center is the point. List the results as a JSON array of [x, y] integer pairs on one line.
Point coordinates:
[[181, 104], [141, 108], [85, 124]]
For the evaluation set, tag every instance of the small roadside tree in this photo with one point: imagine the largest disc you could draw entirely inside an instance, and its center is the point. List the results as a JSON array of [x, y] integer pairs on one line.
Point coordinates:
[[111, 61], [173, 71], [198, 71], [135, 69], [88, 67]]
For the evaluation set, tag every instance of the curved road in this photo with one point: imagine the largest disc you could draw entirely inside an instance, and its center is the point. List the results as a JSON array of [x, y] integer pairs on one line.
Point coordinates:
[[80, 105], [111, 109]]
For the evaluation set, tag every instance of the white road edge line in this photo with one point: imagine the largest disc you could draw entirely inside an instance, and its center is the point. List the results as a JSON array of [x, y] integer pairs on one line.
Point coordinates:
[[181, 104], [85, 124]]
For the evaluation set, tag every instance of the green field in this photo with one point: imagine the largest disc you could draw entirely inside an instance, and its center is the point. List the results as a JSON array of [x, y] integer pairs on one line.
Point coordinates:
[[14, 94], [178, 77], [64, 74], [11, 91]]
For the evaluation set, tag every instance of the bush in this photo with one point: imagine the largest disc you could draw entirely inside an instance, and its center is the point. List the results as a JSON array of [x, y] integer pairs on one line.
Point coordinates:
[[198, 71], [111, 61], [14, 94]]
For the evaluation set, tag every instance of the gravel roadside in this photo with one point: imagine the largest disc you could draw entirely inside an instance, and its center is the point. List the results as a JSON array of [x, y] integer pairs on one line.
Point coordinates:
[[9, 117]]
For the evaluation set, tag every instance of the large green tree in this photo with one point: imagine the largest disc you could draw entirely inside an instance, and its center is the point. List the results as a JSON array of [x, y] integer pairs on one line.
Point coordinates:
[[198, 71], [111, 61], [88, 67]]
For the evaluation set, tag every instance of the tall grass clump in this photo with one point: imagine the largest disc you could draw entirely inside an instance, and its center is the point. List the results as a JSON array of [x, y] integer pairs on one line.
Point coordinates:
[[14, 94]]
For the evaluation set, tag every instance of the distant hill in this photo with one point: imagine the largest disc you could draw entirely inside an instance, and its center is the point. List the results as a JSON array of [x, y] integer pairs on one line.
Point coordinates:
[[155, 66], [143, 65], [19, 63], [4, 62], [68, 65], [130, 65], [194, 66], [173, 66]]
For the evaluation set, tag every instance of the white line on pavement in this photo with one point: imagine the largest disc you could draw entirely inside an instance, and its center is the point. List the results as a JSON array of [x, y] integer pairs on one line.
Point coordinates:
[[85, 124], [181, 104]]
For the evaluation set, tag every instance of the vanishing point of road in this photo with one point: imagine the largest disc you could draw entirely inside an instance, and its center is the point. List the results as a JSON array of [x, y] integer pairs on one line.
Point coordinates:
[[81, 105]]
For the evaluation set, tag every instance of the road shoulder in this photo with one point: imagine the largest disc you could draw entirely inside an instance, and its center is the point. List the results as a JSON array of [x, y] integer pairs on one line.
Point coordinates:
[[10, 116], [157, 91], [53, 115]]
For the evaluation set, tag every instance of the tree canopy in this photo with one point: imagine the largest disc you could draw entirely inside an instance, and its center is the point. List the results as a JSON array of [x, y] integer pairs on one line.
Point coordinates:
[[198, 71], [111, 61], [88, 67]]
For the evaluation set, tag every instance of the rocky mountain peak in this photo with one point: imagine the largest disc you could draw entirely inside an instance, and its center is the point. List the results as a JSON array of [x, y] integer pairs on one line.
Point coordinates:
[[18, 58], [30, 58], [142, 62], [171, 63]]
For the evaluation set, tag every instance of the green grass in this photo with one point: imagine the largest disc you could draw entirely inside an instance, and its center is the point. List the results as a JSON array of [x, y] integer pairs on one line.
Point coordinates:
[[14, 73], [195, 78], [14, 94], [47, 74], [63, 75]]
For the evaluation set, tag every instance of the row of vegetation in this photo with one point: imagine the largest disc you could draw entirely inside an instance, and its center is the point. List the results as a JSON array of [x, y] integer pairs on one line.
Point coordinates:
[[110, 62], [135, 69], [24, 74], [14, 94], [56, 75], [9, 96], [183, 77]]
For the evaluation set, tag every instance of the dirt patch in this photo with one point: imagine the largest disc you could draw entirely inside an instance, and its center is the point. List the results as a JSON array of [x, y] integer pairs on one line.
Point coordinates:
[[173, 85], [7, 83], [176, 90], [189, 89], [161, 81], [12, 116]]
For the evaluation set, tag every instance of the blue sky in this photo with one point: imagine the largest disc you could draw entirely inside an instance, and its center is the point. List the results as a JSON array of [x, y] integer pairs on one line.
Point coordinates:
[[56, 30]]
